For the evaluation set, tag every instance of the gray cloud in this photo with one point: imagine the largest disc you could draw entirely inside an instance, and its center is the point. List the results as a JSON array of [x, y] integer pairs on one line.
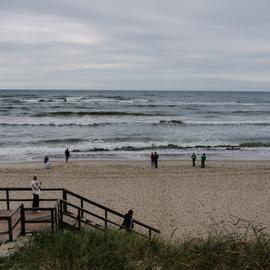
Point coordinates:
[[153, 44]]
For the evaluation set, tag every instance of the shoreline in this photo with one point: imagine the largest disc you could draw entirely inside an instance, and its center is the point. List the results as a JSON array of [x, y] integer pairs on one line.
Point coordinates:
[[62, 161]]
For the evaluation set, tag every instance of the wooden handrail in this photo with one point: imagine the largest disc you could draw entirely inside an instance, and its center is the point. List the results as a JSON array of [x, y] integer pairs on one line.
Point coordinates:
[[88, 223], [109, 210], [28, 189], [89, 212], [10, 189], [66, 192]]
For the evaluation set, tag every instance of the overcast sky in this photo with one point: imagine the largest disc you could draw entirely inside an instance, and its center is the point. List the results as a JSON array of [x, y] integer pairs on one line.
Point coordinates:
[[142, 44]]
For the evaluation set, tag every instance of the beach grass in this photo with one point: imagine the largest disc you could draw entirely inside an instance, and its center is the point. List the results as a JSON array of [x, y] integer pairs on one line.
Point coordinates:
[[121, 250]]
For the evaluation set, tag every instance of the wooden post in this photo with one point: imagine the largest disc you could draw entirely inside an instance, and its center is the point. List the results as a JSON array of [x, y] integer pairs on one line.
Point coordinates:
[[106, 216], [10, 232], [65, 199], [7, 197], [61, 215], [82, 207], [52, 220], [22, 220], [57, 215], [79, 219]]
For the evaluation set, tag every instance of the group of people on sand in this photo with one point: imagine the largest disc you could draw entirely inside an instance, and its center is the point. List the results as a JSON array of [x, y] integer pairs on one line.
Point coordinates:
[[48, 163], [154, 160], [203, 160], [128, 217]]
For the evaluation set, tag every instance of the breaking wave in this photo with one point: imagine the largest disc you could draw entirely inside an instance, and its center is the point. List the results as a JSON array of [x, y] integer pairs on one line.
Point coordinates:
[[96, 113]]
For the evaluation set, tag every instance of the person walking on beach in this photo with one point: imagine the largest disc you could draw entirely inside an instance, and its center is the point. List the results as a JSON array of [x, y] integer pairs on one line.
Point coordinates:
[[203, 159], [156, 157], [193, 157], [36, 185], [152, 160], [128, 221], [67, 153]]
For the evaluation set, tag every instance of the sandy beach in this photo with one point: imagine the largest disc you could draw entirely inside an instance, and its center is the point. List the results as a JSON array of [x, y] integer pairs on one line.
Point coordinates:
[[175, 198]]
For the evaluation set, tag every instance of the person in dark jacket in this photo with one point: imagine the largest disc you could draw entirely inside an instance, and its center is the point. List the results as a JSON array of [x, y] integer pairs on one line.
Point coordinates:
[[152, 160], [203, 159], [46, 159], [128, 222], [193, 157], [67, 153], [156, 157]]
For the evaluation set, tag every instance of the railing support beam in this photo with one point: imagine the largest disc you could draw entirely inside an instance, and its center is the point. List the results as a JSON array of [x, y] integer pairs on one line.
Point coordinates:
[[7, 198], [22, 220], [10, 230]]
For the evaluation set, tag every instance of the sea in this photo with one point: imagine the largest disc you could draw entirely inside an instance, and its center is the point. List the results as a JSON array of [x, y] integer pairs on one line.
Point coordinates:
[[129, 125]]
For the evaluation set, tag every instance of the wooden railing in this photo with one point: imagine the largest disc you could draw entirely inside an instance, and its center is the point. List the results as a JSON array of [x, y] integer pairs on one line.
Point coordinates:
[[21, 219], [9, 218], [58, 212], [52, 220], [83, 201], [8, 198]]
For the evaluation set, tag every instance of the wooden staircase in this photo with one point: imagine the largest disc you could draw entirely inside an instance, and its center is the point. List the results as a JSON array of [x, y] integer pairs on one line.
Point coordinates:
[[67, 210]]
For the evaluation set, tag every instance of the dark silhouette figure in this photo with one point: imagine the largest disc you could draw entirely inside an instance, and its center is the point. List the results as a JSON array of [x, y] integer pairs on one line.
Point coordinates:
[[128, 222], [203, 159], [67, 153], [156, 157], [46, 159], [193, 157], [152, 160]]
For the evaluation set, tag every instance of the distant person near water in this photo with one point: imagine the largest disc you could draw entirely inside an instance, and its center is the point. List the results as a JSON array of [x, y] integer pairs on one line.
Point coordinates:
[[203, 159], [152, 160], [46, 159], [156, 157], [193, 157], [36, 186], [128, 221], [47, 162], [67, 153]]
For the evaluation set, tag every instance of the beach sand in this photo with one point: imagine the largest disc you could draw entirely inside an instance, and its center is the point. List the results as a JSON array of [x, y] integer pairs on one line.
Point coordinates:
[[175, 198]]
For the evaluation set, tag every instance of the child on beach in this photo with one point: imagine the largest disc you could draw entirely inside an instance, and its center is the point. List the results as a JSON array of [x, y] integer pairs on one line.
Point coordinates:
[[47, 162]]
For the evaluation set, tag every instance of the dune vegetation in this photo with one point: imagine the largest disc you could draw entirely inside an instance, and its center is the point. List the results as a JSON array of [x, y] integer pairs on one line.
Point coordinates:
[[120, 250]]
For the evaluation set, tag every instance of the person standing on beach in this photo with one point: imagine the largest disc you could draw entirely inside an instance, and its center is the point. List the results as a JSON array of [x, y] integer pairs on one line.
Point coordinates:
[[203, 159], [67, 153], [152, 160], [156, 157], [46, 159], [193, 157], [36, 185], [128, 221]]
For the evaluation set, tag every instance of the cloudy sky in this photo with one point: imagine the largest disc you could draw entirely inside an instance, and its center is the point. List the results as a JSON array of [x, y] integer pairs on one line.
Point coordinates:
[[142, 44]]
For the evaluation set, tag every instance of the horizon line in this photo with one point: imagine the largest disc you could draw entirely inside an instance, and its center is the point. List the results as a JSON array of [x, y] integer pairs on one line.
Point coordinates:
[[134, 90]]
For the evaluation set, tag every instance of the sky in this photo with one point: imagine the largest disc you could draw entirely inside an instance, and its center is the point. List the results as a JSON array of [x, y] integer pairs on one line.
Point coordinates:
[[135, 45]]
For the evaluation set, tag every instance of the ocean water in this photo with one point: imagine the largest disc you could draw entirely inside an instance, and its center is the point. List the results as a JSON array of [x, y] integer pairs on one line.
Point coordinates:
[[131, 124]]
